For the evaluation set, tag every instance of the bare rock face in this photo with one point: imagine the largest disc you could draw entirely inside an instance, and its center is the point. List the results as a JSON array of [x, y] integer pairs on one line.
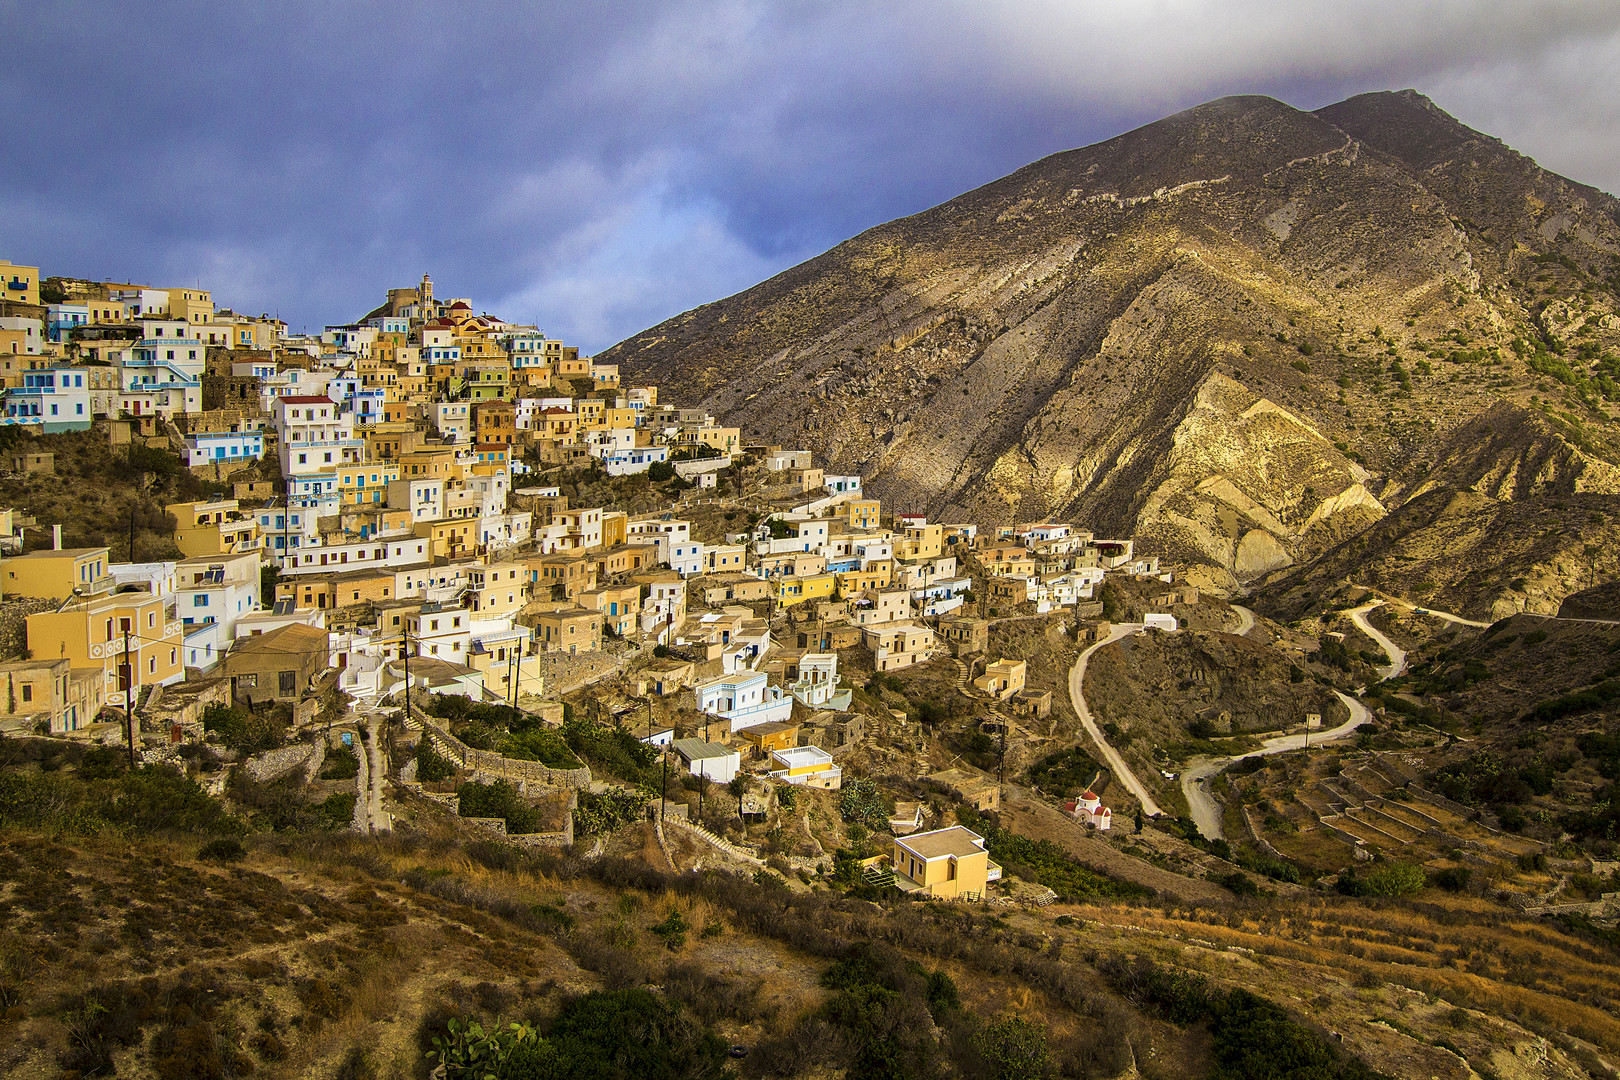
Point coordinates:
[[1245, 334]]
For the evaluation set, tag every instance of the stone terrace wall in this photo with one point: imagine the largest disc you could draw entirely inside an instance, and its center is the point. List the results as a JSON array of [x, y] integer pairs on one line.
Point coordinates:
[[496, 765]]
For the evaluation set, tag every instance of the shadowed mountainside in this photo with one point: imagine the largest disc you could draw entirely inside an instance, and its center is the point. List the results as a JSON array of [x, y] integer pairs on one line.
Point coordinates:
[[1243, 333]]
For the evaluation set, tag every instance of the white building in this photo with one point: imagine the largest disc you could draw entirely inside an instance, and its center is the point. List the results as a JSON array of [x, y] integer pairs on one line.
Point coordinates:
[[744, 699]]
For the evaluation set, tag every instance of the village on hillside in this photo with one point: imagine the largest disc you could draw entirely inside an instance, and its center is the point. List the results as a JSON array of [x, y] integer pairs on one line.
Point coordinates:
[[604, 606]]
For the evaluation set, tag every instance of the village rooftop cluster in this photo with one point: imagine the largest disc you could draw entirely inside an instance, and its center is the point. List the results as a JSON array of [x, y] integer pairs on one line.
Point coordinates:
[[398, 483]]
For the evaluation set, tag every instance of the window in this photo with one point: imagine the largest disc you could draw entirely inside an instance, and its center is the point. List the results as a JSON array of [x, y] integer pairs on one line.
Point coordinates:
[[287, 682], [28, 692], [247, 682]]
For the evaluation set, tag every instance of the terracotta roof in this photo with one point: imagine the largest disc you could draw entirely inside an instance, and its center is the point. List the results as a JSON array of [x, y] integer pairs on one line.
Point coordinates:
[[317, 399]]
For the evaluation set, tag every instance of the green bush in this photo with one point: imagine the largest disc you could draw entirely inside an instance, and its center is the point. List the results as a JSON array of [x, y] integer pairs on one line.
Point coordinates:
[[498, 800], [536, 743], [1065, 772], [603, 812], [432, 766], [614, 749], [1454, 878], [341, 763], [620, 1033], [1013, 1048], [673, 930], [1386, 879], [861, 801]]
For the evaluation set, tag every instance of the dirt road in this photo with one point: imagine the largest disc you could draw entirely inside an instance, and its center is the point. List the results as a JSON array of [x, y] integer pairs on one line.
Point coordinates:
[[1195, 782], [1077, 681], [1397, 655]]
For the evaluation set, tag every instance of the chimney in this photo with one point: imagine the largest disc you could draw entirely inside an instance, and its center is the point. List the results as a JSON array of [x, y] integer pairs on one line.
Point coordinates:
[[56, 538]]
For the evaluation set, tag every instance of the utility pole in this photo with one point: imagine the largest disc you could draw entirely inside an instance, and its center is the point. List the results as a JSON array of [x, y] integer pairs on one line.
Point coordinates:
[[515, 676], [405, 655], [1002, 766], [129, 704]]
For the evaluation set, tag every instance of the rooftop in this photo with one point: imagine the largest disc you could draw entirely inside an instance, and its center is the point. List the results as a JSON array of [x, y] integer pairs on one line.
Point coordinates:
[[943, 842], [696, 749]]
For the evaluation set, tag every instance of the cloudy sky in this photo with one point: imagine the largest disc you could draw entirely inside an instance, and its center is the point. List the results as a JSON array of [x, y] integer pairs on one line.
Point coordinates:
[[597, 167]]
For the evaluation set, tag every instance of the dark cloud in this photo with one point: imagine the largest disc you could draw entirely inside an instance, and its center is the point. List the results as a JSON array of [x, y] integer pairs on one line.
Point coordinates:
[[595, 168]]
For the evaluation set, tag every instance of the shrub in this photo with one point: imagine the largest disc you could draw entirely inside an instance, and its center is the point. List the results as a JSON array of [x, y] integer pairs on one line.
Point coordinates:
[[244, 731], [1454, 878], [1387, 879], [673, 930], [1065, 771], [498, 800], [225, 849], [535, 743], [603, 812], [432, 766], [862, 802], [341, 763], [1013, 1048]]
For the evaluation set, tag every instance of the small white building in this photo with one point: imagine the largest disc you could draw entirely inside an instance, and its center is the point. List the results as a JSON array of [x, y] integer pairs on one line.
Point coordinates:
[[714, 760]]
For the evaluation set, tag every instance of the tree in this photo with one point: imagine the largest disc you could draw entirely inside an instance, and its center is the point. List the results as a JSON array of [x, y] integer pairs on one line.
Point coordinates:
[[739, 787], [660, 471]]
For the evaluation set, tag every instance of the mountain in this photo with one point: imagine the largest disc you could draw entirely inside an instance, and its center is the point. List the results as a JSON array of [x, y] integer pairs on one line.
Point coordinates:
[[1244, 333]]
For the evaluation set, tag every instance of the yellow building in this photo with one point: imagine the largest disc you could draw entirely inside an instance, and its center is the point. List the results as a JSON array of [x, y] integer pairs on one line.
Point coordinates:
[[19, 283], [92, 632], [56, 575], [615, 528], [855, 582], [215, 527], [361, 485], [192, 305], [1002, 679], [863, 513], [921, 542], [947, 863], [792, 589], [457, 536]]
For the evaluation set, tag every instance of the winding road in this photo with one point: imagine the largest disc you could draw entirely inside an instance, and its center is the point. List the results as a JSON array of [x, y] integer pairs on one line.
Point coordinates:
[[1206, 810], [1077, 680], [1245, 620], [1397, 655], [1195, 782]]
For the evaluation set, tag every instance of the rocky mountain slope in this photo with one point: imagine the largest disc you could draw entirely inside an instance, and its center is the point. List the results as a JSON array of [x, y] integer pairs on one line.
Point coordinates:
[[1244, 333]]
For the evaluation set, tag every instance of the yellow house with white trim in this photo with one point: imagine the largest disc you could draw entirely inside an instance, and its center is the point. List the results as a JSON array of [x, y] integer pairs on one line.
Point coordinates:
[[948, 863]]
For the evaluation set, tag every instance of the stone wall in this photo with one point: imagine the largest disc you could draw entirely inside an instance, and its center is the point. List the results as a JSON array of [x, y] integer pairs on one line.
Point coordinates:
[[495, 765], [274, 764]]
